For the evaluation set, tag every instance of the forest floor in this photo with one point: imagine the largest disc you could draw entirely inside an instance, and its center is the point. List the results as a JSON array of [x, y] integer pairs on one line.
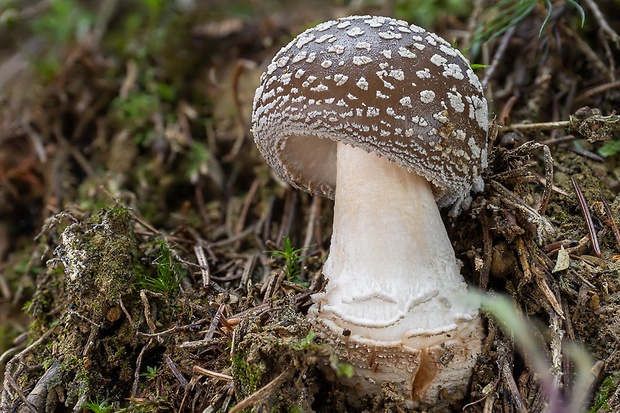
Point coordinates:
[[151, 261]]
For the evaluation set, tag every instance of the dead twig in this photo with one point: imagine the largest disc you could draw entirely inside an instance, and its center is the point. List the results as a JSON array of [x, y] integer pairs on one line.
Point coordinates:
[[175, 371], [525, 265], [249, 230], [311, 230], [204, 265], [247, 270], [536, 127], [587, 51], [136, 373], [160, 334], [215, 322], [541, 282], [487, 253], [247, 202], [10, 381], [488, 392], [287, 214], [211, 373], [273, 284], [38, 395], [122, 305], [242, 65], [548, 180], [147, 314], [509, 381], [590, 123], [597, 90], [557, 357], [34, 344]]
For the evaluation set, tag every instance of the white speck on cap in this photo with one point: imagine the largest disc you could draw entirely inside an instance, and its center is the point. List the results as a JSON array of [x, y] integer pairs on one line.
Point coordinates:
[[380, 84], [300, 56], [355, 32], [340, 79], [344, 24], [423, 74], [427, 96], [362, 83], [325, 37], [438, 60], [304, 40], [361, 60], [336, 48], [363, 45], [404, 52]]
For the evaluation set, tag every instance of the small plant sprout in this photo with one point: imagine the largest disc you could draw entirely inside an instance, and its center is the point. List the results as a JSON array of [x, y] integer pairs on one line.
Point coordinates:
[[99, 406], [151, 372], [307, 342], [292, 259], [168, 272]]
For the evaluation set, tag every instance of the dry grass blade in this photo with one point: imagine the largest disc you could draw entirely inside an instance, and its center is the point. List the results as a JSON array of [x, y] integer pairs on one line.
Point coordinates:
[[583, 205]]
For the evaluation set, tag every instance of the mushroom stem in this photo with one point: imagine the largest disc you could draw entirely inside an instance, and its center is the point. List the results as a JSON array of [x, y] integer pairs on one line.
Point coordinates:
[[394, 282]]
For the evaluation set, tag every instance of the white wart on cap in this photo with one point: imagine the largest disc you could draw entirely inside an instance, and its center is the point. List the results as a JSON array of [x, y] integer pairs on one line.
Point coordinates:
[[389, 120], [379, 84]]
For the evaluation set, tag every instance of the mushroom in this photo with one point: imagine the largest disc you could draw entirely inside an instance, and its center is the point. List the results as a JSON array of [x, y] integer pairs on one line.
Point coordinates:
[[391, 122]]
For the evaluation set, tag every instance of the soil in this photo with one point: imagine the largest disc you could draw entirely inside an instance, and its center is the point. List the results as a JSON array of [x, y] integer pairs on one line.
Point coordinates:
[[151, 261]]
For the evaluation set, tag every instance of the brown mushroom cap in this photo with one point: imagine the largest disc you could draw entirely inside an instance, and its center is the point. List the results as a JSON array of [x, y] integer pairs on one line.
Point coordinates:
[[380, 84]]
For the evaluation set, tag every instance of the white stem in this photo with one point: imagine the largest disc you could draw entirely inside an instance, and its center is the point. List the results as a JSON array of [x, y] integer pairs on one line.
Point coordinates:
[[392, 272], [394, 303]]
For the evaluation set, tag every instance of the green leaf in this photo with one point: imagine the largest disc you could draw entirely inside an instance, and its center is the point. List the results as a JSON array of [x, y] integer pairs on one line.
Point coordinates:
[[609, 148]]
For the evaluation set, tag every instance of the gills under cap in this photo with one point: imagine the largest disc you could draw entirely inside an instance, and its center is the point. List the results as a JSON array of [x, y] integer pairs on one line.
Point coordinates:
[[379, 84]]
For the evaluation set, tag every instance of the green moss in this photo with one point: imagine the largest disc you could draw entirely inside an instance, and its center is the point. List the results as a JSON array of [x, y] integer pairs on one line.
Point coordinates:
[[247, 375], [605, 390], [284, 346], [96, 261]]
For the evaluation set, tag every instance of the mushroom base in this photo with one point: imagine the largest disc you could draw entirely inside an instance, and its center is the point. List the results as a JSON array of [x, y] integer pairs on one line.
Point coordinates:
[[421, 375]]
